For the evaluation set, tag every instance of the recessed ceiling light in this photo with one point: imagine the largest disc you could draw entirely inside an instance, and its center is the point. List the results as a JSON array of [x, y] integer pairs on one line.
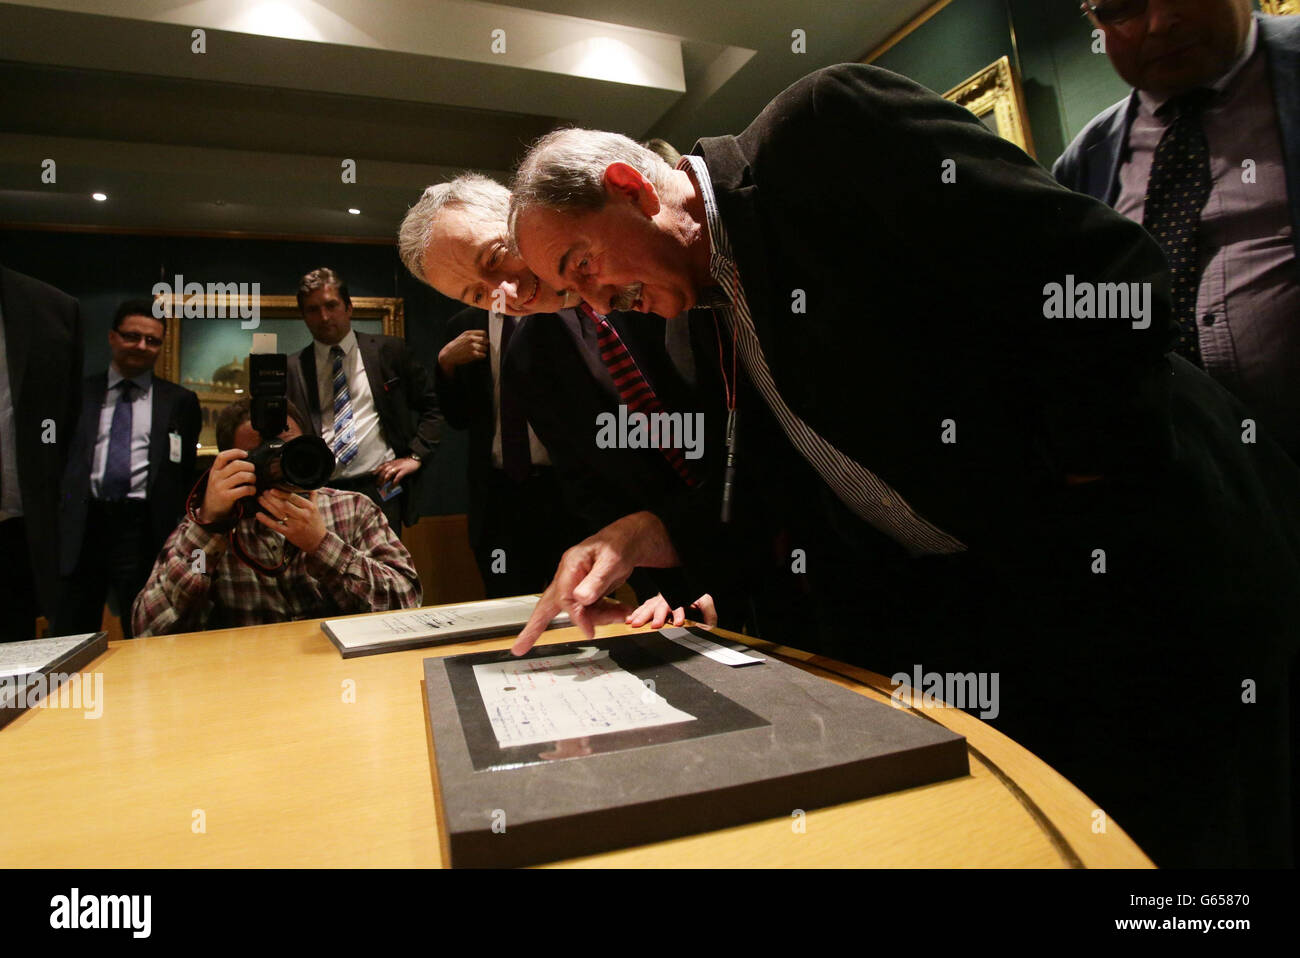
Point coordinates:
[[354, 211], [99, 196]]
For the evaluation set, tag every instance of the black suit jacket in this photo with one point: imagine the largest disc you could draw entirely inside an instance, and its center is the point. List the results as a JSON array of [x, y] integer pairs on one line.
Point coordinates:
[[923, 303], [175, 410], [925, 300], [405, 399], [466, 400], [563, 398], [43, 346]]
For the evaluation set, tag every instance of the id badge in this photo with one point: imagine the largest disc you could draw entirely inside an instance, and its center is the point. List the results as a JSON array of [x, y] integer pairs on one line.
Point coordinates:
[[174, 445]]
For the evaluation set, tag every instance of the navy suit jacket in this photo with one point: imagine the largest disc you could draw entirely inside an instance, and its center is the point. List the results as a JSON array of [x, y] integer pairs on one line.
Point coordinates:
[[175, 409], [1091, 164]]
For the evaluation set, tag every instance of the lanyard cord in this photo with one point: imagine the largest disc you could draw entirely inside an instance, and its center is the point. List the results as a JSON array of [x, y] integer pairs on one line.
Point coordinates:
[[730, 388]]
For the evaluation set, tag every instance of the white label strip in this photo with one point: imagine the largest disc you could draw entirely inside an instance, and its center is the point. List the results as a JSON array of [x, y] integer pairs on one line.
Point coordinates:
[[712, 650]]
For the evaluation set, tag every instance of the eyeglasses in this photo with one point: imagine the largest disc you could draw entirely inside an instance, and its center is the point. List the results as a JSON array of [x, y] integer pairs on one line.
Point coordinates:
[[153, 342], [1115, 11]]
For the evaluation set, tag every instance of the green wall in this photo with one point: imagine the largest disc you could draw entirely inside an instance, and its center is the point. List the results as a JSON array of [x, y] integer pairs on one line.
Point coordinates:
[[1066, 84], [956, 43]]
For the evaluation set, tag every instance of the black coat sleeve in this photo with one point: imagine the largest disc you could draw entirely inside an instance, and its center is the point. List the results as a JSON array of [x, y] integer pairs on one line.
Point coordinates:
[[462, 392], [421, 398], [978, 252]]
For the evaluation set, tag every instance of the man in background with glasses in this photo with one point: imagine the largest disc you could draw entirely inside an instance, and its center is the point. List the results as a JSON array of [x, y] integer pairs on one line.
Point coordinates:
[[1205, 153], [130, 467]]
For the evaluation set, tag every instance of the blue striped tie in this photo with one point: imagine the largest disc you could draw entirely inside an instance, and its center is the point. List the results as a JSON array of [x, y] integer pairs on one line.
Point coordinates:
[[344, 444]]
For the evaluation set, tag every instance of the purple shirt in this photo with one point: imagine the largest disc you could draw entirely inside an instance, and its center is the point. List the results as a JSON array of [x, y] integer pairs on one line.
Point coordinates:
[[1248, 306]]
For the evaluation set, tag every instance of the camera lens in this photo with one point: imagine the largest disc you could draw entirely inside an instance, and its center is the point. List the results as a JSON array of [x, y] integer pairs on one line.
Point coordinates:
[[306, 462]]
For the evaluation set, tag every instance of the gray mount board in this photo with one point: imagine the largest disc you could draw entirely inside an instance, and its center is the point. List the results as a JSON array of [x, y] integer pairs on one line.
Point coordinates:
[[768, 739], [22, 662]]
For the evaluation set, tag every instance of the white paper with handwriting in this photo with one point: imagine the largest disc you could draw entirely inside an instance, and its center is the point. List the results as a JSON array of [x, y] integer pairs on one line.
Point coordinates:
[[531, 701], [467, 618]]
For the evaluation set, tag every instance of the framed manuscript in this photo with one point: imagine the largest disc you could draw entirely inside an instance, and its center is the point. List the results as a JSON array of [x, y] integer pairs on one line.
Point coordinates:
[[584, 747]]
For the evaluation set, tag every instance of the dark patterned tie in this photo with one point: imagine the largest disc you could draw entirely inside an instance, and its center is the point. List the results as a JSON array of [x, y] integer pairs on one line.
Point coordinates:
[[344, 443], [1177, 192], [117, 468], [516, 458], [633, 388]]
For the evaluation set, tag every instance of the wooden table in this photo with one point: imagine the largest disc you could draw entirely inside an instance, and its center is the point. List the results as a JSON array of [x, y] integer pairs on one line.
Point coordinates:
[[262, 747]]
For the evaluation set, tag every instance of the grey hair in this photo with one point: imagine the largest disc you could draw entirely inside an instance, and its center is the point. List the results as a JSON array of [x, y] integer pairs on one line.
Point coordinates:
[[565, 171], [484, 198]]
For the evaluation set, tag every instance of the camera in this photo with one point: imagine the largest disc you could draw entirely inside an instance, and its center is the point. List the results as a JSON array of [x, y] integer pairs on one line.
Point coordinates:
[[305, 462]]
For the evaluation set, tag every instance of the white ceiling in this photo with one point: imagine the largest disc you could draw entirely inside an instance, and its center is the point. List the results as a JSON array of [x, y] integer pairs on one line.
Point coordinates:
[[250, 135]]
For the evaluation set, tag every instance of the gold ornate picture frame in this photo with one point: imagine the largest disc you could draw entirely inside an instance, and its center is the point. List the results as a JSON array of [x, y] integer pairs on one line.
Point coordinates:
[[221, 384], [996, 97], [1280, 6]]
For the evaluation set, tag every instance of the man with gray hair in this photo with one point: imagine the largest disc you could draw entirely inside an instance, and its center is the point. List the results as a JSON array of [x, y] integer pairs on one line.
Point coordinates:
[[979, 483], [499, 375], [455, 239]]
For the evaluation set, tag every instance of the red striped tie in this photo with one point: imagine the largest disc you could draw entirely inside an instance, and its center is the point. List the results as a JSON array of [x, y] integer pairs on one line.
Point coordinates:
[[632, 387]]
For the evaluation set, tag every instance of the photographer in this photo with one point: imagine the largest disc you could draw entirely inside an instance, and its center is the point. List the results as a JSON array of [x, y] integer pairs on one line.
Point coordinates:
[[340, 556]]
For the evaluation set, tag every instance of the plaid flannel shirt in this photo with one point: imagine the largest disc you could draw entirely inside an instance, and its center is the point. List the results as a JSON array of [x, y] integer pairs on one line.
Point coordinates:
[[198, 583]]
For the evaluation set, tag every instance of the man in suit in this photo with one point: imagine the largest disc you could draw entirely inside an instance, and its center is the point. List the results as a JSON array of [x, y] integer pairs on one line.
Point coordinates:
[[571, 379], [1216, 109], [491, 382], [130, 468], [40, 396], [518, 526], [1053, 498], [368, 397]]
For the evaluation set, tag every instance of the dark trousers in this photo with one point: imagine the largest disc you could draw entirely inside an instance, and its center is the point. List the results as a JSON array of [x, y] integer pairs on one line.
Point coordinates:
[[526, 529], [117, 553], [367, 486], [18, 607]]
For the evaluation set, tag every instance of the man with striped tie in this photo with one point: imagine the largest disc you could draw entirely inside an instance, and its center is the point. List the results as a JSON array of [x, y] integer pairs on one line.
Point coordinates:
[[989, 488], [368, 397], [454, 239]]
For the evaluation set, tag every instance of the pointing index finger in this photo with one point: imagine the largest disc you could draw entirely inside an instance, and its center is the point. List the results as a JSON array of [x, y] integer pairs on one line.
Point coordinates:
[[545, 610]]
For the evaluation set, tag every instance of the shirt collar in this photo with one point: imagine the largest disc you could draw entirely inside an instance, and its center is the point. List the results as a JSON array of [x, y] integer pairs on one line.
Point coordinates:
[[1154, 103], [347, 343], [721, 258], [142, 381]]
